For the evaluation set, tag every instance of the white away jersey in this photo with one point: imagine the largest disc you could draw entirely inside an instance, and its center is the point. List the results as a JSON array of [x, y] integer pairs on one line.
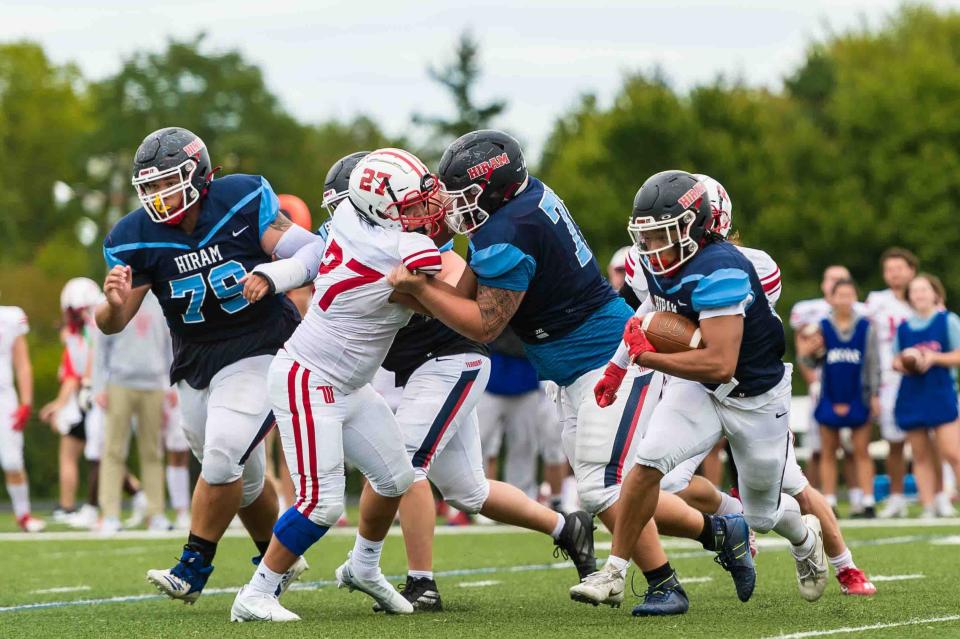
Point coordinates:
[[886, 313], [13, 324], [766, 268], [806, 312], [346, 335]]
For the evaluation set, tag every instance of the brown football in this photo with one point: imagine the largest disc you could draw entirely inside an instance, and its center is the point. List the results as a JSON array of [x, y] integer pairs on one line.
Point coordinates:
[[671, 333], [910, 358]]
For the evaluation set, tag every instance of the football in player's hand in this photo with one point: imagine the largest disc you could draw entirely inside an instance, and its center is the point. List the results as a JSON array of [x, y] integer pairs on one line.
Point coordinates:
[[671, 333], [911, 359]]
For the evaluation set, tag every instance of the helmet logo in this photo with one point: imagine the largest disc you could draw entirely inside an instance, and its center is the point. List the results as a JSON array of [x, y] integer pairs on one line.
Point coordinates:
[[487, 166], [150, 170], [687, 199], [366, 181], [194, 147]]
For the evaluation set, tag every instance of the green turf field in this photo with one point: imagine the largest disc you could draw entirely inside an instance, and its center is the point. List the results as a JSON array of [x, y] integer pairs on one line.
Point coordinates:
[[494, 583]]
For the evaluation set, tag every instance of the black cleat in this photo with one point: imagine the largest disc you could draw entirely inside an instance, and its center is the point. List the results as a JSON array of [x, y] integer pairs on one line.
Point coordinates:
[[422, 594], [576, 542]]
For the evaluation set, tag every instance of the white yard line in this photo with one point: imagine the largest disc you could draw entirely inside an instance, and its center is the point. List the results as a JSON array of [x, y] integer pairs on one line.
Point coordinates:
[[895, 577], [876, 626], [47, 591], [479, 584]]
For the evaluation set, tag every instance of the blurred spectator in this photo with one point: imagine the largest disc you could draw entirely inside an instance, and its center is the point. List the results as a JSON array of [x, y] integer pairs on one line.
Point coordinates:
[[130, 380], [805, 319], [72, 413], [178, 460], [617, 268], [888, 309], [849, 384], [15, 403], [928, 353]]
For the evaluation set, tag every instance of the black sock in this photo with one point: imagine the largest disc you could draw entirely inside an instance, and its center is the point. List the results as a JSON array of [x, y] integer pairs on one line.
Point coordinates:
[[658, 576], [706, 536], [262, 546], [206, 549]]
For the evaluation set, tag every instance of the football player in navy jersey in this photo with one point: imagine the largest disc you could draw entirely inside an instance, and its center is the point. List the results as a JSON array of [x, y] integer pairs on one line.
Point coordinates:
[[192, 242], [737, 386], [530, 267]]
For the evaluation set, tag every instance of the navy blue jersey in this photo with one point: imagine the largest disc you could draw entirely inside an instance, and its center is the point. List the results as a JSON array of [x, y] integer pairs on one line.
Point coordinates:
[[570, 320], [196, 277], [423, 339], [719, 276]]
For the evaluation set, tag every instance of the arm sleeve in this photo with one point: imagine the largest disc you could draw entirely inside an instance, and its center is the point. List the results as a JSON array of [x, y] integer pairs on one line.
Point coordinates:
[[419, 253], [503, 266], [629, 296], [740, 308]]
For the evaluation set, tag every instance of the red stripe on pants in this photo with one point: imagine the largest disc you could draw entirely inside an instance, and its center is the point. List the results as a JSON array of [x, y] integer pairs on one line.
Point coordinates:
[[292, 398], [312, 442]]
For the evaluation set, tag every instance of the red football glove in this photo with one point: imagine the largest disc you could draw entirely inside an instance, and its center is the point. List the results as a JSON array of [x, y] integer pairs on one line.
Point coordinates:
[[20, 417], [636, 340], [606, 389]]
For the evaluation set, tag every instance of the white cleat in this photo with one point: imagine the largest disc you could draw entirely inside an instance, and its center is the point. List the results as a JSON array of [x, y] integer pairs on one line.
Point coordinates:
[[172, 586], [602, 587], [386, 596], [138, 512], [895, 507], [812, 568], [87, 517], [159, 523], [109, 526], [257, 606], [183, 520], [299, 567], [943, 507]]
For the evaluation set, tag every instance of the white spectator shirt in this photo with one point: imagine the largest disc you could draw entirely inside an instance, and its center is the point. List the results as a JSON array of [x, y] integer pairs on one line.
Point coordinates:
[[887, 312], [13, 324]]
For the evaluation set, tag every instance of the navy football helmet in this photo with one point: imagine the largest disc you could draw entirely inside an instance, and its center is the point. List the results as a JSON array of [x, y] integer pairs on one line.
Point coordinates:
[[169, 161]]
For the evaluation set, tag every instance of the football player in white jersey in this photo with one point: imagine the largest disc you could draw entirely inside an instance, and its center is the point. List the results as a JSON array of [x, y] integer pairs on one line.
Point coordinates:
[[319, 383], [887, 309], [15, 403], [703, 495]]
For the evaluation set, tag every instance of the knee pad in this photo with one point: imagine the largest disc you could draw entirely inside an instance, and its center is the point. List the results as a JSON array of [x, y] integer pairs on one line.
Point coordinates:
[[220, 466], [393, 486], [472, 501], [597, 499], [677, 479], [11, 460], [760, 523], [296, 532]]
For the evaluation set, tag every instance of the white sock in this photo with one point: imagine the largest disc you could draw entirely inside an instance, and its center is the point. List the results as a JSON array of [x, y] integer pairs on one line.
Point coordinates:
[[559, 527], [791, 526], [619, 564], [896, 498], [20, 496], [178, 486], [420, 574], [869, 501], [265, 581], [941, 499], [729, 505], [831, 500], [842, 561], [855, 495], [365, 560]]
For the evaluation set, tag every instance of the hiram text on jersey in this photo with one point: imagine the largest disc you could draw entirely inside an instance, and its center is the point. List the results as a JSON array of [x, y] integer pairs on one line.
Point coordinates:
[[198, 259]]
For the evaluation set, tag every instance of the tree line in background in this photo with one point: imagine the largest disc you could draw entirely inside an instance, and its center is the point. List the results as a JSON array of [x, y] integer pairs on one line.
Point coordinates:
[[859, 150]]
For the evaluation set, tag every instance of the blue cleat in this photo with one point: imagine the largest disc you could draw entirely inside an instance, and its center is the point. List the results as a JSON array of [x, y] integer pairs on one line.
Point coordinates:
[[732, 536], [185, 581], [665, 598]]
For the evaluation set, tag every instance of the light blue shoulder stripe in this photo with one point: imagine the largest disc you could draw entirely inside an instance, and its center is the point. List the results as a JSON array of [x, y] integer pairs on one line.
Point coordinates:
[[269, 205], [226, 218], [696, 277], [110, 254]]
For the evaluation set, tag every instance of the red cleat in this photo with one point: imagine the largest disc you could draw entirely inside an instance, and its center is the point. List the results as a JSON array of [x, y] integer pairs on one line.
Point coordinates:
[[853, 581], [459, 519]]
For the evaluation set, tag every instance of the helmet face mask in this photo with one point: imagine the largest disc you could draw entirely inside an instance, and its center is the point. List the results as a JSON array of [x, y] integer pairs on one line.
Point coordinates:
[[464, 214], [664, 245], [154, 188]]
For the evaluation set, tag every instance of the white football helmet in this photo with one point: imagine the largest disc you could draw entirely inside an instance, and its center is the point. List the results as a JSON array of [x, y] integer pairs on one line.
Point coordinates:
[[720, 203], [79, 293], [394, 189]]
